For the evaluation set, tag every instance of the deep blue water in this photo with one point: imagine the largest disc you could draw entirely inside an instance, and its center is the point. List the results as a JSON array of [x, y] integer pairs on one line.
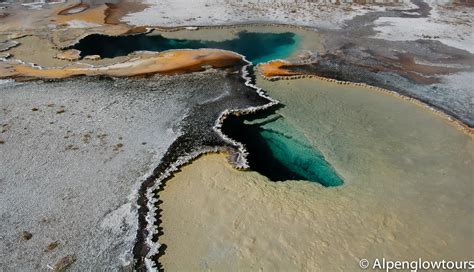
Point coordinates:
[[257, 47]]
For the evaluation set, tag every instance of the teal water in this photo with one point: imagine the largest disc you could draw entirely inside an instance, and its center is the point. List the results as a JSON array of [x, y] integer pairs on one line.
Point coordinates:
[[279, 151], [257, 47], [276, 149]]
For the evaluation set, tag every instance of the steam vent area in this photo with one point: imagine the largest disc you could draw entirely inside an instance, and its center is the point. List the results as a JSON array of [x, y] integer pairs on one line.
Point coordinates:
[[221, 135]]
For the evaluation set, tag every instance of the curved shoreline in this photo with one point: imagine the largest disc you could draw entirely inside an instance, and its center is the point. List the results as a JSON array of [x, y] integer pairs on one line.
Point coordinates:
[[237, 158], [433, 109]]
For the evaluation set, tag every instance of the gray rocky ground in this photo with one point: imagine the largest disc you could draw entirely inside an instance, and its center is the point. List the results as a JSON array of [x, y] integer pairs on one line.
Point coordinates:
[[74, 154]]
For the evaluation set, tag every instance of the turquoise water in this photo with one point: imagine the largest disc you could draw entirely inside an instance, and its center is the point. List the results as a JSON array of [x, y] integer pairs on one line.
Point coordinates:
[[257, 47], [279, 151]]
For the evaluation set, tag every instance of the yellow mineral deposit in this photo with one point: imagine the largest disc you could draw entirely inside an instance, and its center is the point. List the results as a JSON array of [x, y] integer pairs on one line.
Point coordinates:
[[168, 62]]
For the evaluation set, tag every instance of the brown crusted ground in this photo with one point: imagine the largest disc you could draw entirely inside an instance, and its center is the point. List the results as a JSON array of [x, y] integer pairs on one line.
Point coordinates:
[[169, 62], [371, 2], [67, 11], [106, 17], [404, 64], [70, 55], [467, 3], [103, 18], [115, 12], [95, 15], [102, 14], [276, 68]]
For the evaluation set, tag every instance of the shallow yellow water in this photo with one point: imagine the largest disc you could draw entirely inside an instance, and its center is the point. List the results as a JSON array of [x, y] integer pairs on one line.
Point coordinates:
[[407, 193]]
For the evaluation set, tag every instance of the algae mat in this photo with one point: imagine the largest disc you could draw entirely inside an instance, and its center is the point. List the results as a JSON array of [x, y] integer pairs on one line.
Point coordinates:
[[407, 192]]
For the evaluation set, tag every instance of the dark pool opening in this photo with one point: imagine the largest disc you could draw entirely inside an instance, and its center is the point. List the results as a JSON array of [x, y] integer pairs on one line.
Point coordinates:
[[257, 47], [279, 152]]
